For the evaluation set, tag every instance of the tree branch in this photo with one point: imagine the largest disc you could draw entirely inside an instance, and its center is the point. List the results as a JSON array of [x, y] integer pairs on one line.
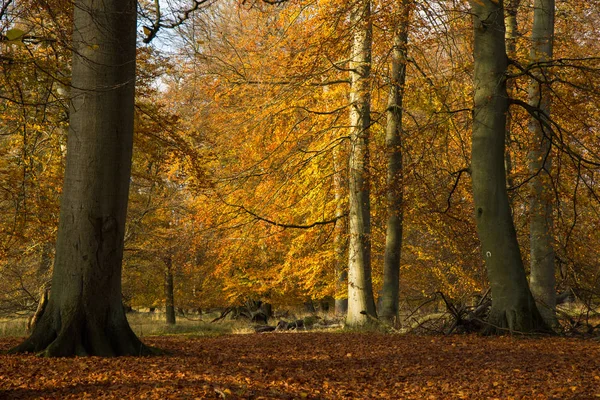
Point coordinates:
[[283, 225]]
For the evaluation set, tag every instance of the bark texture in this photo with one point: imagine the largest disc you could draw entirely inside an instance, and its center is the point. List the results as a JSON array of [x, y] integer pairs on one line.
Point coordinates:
[[84, 314], [512, 34], [340, 235], [542, 280], [360, 290], [393, 142], [513, 308]]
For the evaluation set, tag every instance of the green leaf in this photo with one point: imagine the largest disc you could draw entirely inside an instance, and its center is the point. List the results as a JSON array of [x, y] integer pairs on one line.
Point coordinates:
[[16, 42], [15, 34]]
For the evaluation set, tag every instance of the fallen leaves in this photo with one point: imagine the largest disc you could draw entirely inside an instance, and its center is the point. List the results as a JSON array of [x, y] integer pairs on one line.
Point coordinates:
[[318, 365]]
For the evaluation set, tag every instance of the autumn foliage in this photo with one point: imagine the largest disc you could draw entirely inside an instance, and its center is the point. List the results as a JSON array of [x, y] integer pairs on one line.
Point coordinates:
[[241, 148]]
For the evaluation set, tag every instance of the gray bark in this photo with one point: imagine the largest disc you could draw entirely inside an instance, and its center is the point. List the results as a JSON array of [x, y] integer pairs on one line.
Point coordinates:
[[542, 280], [393, 142], [84, 314], [360, 289], [513, 308], [512, 34], [169, 292], [340, 238]]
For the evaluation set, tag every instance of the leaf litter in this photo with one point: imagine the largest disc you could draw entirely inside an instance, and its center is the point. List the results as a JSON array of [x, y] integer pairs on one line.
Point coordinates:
[[317, 366]]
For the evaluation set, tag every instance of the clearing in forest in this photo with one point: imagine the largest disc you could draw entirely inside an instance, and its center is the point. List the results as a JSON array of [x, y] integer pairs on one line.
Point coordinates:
[[318, 366]]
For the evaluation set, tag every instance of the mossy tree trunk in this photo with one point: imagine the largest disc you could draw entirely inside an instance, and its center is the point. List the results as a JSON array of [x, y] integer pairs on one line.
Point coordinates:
[[84, 314], [393, 141], [513, 308], [360, 290]]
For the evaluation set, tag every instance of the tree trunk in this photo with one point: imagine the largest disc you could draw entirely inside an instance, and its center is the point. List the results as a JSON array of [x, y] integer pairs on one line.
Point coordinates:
[[84, 315], [513, 308], [393, 141], [542, 280], [512, 34], [169, 291], [360, 290], [340, 237]]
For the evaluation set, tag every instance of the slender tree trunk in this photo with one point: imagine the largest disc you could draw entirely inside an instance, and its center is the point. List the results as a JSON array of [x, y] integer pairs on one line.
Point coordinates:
[[512, 34], [45, 266], [169, 291], [340, 238], [360, 290], [393, 141], [513, 307], [542, 280], [84, 314]]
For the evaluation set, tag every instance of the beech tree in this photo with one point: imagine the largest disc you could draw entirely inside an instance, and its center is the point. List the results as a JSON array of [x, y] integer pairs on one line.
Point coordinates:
[[542, 279], [513, 306], [361, 303], [393, 139], [84, 314], [340, 236], [511, 11]]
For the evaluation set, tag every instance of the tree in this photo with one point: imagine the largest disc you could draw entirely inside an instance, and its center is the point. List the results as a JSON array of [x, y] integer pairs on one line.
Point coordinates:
[[542, 280], [32, 135], [85, 315], [360, 290], [169, 290], [512, 33], [513, 308], [393, 139], [340, 235]]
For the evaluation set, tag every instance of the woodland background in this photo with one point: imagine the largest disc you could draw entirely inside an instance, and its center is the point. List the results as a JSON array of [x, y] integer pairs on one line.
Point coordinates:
[[239, 180]]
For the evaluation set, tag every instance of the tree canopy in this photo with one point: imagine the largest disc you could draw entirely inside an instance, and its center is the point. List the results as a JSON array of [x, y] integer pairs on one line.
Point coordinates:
[[263, 156]]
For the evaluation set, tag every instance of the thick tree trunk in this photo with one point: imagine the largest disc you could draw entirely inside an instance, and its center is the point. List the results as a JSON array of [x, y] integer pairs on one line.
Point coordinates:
[[169, 292], [513, 308], [542, 280], [360, 289], [340, 236], [84, 315], [393, 141]]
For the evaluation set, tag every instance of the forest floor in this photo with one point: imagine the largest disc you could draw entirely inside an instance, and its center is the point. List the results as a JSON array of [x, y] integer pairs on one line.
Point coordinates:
[[318, 365]]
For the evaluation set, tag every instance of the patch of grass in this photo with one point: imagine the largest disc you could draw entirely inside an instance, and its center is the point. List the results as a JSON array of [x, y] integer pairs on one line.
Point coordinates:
[[153, 324], [149, 324], [13, 327]]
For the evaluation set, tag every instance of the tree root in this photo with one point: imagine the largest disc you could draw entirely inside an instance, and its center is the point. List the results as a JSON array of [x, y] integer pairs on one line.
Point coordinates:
[[81, 336]]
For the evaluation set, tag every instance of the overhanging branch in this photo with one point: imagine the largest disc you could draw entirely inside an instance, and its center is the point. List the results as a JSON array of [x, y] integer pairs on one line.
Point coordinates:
[[284, 225]]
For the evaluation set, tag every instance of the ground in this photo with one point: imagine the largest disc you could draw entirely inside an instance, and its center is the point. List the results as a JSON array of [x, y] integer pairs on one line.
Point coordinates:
[[318, 366]]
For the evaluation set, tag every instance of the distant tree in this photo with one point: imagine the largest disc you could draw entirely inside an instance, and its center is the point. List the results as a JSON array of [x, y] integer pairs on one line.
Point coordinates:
[[542, 279], [393, 139]]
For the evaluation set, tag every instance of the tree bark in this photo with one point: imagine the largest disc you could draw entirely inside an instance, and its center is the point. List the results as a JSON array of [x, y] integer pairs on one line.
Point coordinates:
[[393, 142], [360, 289], [542, 280], [340, 238], [85, 315], [169, 292], [513, 308], [512, 34]]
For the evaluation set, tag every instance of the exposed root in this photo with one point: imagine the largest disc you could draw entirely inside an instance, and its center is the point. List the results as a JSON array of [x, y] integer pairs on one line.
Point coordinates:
[[79, 336]]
